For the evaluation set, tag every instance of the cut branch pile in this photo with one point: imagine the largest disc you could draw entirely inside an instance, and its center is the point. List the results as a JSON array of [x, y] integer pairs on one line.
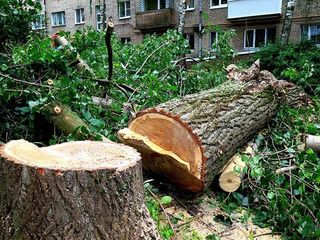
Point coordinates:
[[190, 140]]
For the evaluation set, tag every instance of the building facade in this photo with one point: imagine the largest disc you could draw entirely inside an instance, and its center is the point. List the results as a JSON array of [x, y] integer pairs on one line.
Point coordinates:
[[255, 22]]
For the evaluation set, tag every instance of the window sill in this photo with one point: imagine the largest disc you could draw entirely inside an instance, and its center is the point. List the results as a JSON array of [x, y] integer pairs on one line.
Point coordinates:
[[79, 23], [123, 18], [63, 25], [189, 9], [41, 28], [219, 6]]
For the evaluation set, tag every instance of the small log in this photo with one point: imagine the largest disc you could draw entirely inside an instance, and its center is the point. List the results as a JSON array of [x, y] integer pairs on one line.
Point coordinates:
[[231, 177], [62, 42], [310, 141], [189, 140], [64, 119], [74, 190]]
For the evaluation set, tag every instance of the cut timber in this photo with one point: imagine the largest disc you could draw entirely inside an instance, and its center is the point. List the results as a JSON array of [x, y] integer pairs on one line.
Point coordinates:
[[231, 176], [310, 141], [60, 41], [190, 140], [75, 190]]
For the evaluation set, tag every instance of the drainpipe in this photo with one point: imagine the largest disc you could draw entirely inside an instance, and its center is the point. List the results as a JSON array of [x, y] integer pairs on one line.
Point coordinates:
[[200, 29]]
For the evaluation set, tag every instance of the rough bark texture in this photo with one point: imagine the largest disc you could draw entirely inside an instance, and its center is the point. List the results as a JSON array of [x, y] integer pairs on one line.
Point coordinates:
[[220, 120], [44, 203], [224, 119], [64, 119]]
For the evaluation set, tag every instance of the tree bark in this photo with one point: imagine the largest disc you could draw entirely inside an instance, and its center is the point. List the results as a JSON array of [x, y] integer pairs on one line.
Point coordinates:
[[182, 14], [189, 140], [75, 190], [287, 21]]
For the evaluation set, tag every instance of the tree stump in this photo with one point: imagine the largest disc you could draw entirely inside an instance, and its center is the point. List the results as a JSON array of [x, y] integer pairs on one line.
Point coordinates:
[[74, 190], [189, 140]]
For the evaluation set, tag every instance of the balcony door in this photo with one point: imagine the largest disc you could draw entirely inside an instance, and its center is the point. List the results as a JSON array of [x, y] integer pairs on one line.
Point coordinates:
[[150, 5]]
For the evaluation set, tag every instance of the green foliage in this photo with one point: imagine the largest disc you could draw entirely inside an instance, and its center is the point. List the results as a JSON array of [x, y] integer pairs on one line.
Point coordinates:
[[287, 200], [15, 20], [148, 68], [298, 63], [153, 205], [222, 48]]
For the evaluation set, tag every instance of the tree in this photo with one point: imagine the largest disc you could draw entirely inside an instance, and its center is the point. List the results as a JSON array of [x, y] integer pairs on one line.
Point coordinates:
[[15, 20]]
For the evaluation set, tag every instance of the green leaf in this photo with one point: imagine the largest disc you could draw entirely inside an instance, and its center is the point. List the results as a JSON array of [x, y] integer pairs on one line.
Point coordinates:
[[165, 200]]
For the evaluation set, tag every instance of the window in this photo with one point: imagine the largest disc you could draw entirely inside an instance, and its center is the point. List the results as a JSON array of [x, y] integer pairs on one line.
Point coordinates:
[[58, 19], [311, 32], [213, 39], [254, 38], [124, 9], [190, 5], [99, 18], [125, 40], [190, 39], [151, 5], [79, 17], [39, 23], [218, 3]]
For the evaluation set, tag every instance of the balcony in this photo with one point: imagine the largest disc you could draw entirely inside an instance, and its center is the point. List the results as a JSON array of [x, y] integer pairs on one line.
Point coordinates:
[[244, 9], [156, 19]]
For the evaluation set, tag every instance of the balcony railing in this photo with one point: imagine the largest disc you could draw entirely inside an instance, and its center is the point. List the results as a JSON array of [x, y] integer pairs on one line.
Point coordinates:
[[163, 18], [238, 9]]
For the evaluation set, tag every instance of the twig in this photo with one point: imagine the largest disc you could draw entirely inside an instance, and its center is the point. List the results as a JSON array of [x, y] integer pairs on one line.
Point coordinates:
[[164, 211], [149, 56], [25, 82], [286, 169]]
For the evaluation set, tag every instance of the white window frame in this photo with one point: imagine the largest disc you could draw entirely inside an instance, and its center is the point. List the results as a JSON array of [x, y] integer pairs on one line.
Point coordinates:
[[188, 8], [63, 18], [224, 5], [309, 31], [125, 9], [98, 13], [82, 18], [41, 24], [254, 38], [211, 42]]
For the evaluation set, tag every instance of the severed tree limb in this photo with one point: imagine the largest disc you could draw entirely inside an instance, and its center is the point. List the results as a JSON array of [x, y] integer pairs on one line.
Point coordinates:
[[109, 32], [189, 140]]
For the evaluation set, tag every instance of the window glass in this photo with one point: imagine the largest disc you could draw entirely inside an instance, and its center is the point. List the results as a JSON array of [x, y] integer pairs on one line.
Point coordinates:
[[271, 35], [315, 34], [224, 1], [213, 38], [80, 15], [215, 2], [249, 38], [190, 4], [162, 4], [260, 37], [304, 32], [151, 5], [58, 18]]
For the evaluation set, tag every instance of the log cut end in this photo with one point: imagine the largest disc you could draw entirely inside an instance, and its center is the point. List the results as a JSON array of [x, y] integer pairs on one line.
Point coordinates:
[[78, 155], [168, 147]]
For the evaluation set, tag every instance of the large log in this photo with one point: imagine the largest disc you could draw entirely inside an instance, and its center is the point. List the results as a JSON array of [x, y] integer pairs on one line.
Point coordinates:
[[75, 190], [189, 140]]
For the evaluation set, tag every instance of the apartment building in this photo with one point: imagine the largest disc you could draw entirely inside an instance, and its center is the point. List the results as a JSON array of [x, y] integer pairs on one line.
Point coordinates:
[[255, 22]]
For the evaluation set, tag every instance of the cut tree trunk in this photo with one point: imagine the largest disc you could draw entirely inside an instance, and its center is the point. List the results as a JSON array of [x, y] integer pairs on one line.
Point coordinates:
[[75, 190], [189, 140]]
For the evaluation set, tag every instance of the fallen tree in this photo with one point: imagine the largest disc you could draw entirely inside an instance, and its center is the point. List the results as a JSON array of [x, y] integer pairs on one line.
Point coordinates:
[[190, 140], [75, 190]]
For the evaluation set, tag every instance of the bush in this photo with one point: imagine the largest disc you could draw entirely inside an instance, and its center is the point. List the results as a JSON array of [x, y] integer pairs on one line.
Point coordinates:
[[298, 63]]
